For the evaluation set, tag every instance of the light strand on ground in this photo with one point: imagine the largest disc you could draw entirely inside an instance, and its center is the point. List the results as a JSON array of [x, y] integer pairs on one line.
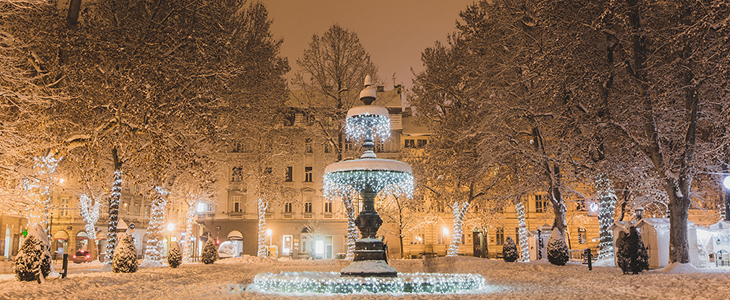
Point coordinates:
[[331, 283]]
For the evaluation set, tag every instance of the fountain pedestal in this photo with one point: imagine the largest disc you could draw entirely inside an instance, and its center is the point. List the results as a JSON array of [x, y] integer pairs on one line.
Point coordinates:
[[370, 257]]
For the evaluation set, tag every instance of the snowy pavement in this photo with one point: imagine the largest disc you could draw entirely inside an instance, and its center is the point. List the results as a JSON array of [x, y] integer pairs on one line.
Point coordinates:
[[230, 279]]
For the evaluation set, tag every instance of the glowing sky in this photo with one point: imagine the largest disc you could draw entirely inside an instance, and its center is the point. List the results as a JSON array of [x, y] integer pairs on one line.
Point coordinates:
[[394, 32]]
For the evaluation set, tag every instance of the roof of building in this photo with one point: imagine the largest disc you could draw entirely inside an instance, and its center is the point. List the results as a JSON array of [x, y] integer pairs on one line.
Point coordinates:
[[301, 99]]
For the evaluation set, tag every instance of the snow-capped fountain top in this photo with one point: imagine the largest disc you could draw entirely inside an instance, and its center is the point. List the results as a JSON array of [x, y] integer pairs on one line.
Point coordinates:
[[367, 95]]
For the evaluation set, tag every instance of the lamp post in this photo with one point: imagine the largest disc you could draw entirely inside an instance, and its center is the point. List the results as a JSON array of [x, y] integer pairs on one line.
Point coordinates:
[[639, 213]]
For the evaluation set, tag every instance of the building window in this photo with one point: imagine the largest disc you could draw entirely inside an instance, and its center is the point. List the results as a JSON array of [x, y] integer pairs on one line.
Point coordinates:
[[348, 145], [307, 174], [289, 119], [379, 146], [308, 145], [237, 174], [500, 236], [268, 170], [237, 147], [309, 118], [327, 148], [422, 143], [236, 201], [419, 239], [308, 207], [410, 143], [540, 203], [328, 207], [289, 174], [288, 207], [64, 207], [582, 239], [580, 205]]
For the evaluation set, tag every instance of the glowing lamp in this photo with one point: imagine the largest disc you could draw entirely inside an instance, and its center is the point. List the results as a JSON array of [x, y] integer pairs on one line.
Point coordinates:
[[445, 231], [170, 227], [268, 231], [726, 182]]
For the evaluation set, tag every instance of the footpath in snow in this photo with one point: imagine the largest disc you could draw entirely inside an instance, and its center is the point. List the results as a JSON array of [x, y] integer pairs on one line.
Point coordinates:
[[230, 279]]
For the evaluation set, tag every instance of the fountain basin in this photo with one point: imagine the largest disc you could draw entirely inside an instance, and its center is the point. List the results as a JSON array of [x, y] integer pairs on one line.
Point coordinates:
[[331, 283]]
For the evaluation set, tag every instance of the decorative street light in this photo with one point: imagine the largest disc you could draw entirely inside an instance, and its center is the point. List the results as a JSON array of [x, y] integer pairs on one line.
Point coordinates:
[[170, 228], [726, 182], [639, 213]]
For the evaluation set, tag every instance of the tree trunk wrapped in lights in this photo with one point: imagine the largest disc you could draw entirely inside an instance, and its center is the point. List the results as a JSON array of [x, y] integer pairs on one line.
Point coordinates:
[[352, 231], [111, 237], [40, 190], [524, 244], [153, 251], [459, 210], [187, 242], [262, 205], [607, 201]]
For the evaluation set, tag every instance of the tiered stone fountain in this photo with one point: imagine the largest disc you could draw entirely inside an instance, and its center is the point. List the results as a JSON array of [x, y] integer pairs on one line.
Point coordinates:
[[369, 272]]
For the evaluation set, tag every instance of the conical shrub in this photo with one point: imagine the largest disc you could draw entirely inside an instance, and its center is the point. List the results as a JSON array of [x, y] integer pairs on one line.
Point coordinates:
[[509, 250], [174, 258], [557, 250], [210, 253], [125, 256]]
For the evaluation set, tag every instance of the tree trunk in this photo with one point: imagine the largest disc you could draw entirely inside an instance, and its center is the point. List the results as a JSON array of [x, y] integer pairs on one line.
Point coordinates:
[[459, 211], [189, 220], [352, 231], [678, 213], [111, 239], [155, 237]]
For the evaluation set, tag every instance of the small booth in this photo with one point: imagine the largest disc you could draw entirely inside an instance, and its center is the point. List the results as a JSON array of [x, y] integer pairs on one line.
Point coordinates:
[[655, 235], [715, 243]]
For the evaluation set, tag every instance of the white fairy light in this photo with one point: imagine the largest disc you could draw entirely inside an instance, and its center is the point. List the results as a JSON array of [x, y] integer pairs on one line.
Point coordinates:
[[348, 182], [155, 244], [360, 126], [607, 200], [331, 283], [459, 211], [524, 244], [90, 214], [262, 205], [111, 237]]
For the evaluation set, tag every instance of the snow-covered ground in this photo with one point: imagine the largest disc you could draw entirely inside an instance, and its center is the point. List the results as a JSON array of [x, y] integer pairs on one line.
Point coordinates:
[[230, 279]]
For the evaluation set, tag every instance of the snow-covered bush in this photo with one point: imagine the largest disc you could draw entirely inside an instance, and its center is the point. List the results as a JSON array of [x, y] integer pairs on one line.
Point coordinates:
[[34, 256], [509, 250], [557, 250], [631, 255], [210, 253], [174, 258], [125, 256]]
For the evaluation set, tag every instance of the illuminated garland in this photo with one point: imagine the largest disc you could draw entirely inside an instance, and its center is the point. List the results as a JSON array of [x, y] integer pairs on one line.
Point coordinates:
[[40, 190], [262, 205], [362, 126], [155, 244], [352, 232], [459, 211], [607, 200], [187, 242], [90, 214], [348, 182], [111, 236], [524, 244], [331, 283]]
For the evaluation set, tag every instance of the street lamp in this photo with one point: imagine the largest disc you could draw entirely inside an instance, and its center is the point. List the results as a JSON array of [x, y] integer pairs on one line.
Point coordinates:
[[170, 228], [726, 182], [639, 213]]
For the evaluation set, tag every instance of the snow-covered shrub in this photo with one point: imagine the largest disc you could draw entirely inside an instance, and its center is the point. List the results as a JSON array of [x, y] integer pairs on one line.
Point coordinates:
[[34, 256], [125, 256], [210, 253], [557, 250], [509, 250], [174, 258], [632, 255]]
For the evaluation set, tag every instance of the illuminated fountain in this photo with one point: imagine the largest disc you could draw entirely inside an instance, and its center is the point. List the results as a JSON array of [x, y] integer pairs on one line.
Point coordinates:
[[368, 176]]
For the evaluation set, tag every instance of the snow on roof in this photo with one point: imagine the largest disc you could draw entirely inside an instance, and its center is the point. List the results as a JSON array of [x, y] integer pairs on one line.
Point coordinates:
[[656, 222], [617, 224], [367, 110], [369, 164], [722, 225]]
